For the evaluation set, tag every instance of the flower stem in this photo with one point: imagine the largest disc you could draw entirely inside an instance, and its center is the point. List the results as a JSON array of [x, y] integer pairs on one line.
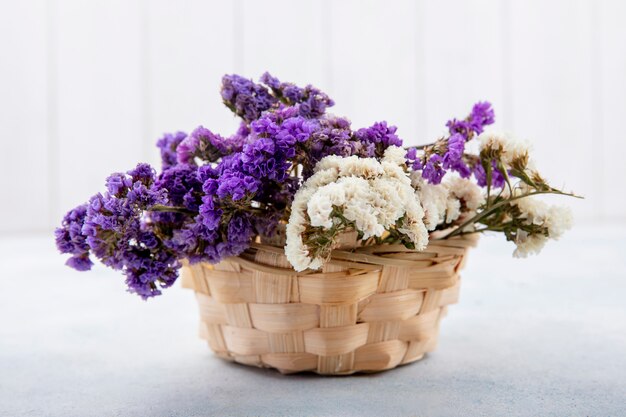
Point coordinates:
[[459, 230], [171, 209]]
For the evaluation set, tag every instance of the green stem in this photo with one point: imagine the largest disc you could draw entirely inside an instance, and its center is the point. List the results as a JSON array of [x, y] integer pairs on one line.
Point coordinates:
[[486, 212], [420, 147], [170, 209]]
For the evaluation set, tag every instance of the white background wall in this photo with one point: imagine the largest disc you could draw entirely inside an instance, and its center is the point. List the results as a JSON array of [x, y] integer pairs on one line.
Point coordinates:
[[86, 87]]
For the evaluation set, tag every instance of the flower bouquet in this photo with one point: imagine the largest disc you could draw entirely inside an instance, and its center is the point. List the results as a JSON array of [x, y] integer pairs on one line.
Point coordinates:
[[312, 246]]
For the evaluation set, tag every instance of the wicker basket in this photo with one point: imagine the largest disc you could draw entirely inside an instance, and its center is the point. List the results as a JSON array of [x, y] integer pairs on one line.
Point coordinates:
[[370, 309]]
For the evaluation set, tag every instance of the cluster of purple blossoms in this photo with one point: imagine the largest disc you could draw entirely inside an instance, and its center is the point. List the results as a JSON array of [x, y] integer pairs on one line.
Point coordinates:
[[168, 145], [310, 101], [245, 98], [482, 115], [497, 179], [184, 190], [111, 228], [375, 139], [332, 137], [208, 146], [448, 154], [70, 239]]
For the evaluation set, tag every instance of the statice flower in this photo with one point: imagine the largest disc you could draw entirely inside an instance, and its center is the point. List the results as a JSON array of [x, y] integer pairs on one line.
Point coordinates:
[[310, 101], [181, 185], [70, 239], [199, 243], [443, 156], [362, 194], [183, 189], [497, 179], [447, 154], [333, 137], [433, 169], [208, 146], [454, 151], [117, 234], [482, 115], [226, 192], [376, 139], [245, 98], [167, 146]]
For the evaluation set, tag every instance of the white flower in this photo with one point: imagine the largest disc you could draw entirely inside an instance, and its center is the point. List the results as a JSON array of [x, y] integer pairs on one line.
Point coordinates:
[[555, 220], [559, 220], [295, 250], [360, 167], [510, 148], [362, 193], [528, 244], [413, 224], [359, 206], [467, 191], [388, 200], [533, 210], [434, 200], [323, 177], [395, 155], [453, 208], [331, 161]]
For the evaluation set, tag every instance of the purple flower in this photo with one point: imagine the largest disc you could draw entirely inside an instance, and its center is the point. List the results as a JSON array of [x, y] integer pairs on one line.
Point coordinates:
[[70, 239], [187, 149], [167, 146], [209, 147], [456, 147], [183, 189], [433, 170], [482, 115], [434, 166], [245, 98], [309, 101], [181, 185], [115, 231], [332, 137], [497, 179], [447, 154], [461, 168], [375, 139]]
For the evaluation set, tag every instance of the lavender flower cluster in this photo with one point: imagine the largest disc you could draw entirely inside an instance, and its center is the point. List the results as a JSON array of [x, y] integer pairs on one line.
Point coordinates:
[[448, 154], [111, 228], [215, 194]]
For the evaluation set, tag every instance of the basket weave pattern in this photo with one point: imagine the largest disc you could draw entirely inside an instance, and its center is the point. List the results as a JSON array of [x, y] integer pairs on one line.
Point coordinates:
[[369, 309]]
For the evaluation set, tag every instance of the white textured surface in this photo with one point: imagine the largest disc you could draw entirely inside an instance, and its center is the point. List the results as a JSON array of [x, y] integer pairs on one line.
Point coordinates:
[[542, 336]]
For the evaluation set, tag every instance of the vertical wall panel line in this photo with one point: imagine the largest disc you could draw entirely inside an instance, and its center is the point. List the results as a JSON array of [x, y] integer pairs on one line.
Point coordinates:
[[507, 88], [52, 114], [238, 38], [327, 34], [148, 139], [421, 106], [596, 64]]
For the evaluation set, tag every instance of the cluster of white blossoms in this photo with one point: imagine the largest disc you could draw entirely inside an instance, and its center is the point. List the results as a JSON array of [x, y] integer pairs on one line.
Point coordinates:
[[553, 220], [444, 203], [360, 193], [509, 148]]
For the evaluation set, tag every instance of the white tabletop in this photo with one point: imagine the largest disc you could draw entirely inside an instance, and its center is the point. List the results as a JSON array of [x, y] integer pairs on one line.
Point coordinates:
[[541, 336]]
